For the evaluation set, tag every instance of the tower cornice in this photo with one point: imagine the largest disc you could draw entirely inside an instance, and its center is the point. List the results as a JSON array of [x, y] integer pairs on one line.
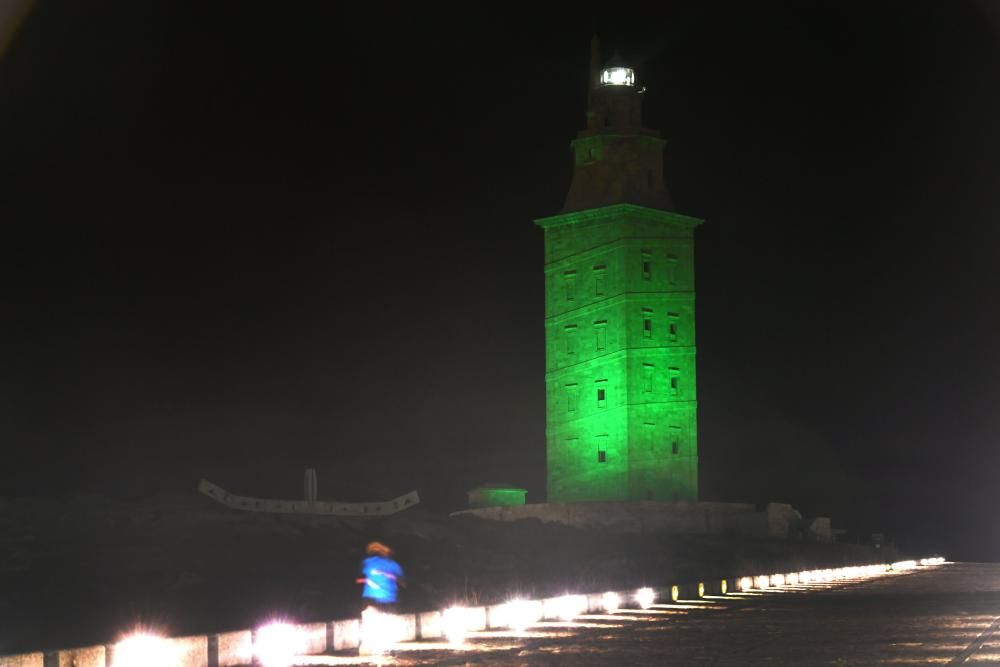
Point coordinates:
[[614, 213]]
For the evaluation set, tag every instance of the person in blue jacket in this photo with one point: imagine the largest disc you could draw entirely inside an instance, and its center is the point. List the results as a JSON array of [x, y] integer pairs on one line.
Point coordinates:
[[381, 576]]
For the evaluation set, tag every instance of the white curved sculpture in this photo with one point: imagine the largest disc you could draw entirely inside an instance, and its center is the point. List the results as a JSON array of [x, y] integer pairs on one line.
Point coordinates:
[[328, 507]]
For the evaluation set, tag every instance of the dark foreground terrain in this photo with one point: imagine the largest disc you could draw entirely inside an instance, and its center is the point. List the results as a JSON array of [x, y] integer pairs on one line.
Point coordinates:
[[77, 573]]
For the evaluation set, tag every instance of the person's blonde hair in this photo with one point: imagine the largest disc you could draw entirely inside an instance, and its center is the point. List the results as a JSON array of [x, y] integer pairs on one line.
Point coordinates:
[[378, 548]]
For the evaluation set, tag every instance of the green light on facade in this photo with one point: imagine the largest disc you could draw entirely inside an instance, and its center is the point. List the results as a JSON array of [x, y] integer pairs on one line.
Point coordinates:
[[620, 355]]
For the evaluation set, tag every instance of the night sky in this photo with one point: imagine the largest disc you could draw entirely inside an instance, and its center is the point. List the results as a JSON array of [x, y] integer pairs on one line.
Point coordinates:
[[241, 239]]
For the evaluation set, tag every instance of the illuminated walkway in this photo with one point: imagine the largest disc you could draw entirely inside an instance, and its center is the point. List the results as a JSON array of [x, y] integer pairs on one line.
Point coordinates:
[[946, 615]]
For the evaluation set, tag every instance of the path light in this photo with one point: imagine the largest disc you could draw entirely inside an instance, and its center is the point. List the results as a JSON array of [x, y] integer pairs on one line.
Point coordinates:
[[455, 623], [144, 649], [567, 607], [701, 589], [380, 631], [645, 597], [277, 643], [675, 593], [517, 615], [611, 601], [723, 586]]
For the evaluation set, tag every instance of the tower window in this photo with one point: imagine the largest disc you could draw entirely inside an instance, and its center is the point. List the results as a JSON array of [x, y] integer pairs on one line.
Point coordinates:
[[672, 319], [672, 263], [675, 447], [599, 272], [647, 264], [601, 334], [602, 447], [647, 323], [675, 381], [572, 394], [602, 395], [571, 339], [569, 280], [647, 378]]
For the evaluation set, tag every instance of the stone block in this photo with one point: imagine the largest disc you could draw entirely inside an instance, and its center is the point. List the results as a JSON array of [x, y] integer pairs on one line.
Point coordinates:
[[190, 651], [819, 530], [430, 625], [550, 607], [687, 591], [782, 520], [595, 603], [407, 624], [346, 634], [560, 608], [235, 648], [313, 637], [476, 619], [23, 660], [511, 614], [91, 656]]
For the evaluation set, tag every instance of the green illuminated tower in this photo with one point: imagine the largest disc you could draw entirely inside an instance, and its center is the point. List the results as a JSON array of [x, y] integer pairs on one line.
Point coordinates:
[[619, 314]]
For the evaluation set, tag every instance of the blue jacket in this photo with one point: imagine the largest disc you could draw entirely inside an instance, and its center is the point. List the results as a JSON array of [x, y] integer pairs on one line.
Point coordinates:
[[381, 578]]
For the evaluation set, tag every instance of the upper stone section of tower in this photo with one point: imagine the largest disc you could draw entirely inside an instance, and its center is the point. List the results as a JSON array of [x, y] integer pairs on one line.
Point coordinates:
[[616, 159]]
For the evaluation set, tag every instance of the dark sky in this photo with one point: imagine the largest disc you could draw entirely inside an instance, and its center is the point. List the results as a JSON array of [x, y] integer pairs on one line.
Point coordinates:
[[241, 239]]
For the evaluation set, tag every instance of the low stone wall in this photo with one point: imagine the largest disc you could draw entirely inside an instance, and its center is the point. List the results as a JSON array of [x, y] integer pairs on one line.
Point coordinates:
[[235, 649]]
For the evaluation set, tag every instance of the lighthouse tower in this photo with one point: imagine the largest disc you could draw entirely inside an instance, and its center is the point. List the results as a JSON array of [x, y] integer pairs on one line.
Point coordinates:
[[621, 401]]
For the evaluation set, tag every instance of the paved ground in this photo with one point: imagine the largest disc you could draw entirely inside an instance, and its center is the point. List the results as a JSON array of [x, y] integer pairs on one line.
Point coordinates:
[[945, 615]]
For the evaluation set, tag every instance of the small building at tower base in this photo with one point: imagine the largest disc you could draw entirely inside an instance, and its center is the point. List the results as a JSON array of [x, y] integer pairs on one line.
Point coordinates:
[[496, 495]]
